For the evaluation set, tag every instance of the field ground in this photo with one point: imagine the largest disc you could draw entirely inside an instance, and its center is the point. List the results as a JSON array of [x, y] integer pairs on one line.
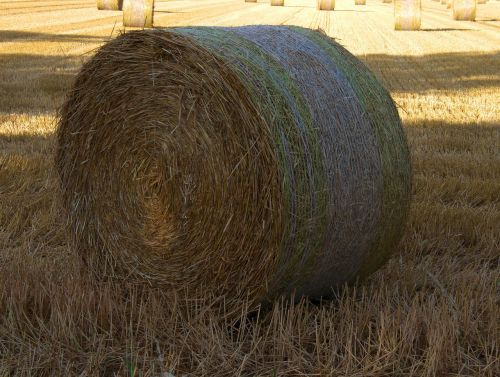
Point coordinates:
[[432, 311]]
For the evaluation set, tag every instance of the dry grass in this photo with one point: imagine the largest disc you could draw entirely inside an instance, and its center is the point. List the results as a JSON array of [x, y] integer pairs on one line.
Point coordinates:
[[432, 311]]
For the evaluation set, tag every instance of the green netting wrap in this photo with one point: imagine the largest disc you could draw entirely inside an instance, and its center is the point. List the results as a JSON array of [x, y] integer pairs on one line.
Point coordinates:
[[246, 162]]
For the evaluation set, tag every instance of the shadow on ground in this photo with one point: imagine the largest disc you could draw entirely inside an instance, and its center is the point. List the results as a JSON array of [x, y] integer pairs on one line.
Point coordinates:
[[19, 36], [436, 72]]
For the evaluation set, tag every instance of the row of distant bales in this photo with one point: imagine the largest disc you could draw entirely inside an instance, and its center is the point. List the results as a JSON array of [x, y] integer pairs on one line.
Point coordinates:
[[407, 13]]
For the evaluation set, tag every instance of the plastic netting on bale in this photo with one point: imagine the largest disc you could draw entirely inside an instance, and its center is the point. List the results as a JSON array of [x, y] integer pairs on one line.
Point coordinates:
[[464, 10], [138, 13], [109, 4], [248, 162], [407, 14], [278, 3]]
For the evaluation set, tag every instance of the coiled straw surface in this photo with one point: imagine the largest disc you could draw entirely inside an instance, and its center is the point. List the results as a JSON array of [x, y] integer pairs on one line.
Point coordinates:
[[325, 4], [250, 162], [464, 10], [138, 13], [407, 14], [109, 4]]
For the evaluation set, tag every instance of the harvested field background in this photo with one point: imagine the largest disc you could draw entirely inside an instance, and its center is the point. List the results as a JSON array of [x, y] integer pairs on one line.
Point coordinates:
[[431, 311]]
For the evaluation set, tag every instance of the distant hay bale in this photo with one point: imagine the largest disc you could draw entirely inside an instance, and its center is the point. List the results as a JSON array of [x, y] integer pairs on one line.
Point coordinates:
[[464, 10], [387, 1], [359, 2], [249, 162], [109, 4], [407, 14], [250, 1], [138, 13], [449, 4], [481, 1], [444, 2], [277, 3], [325, 4]]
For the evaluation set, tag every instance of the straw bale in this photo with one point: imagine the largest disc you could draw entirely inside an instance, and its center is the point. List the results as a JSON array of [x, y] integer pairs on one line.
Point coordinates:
[[359, 2], [138, 13], [407, 14], [464, 10], [109, 4], [325, 4], [277, 3], [248, 162], [250, 1]]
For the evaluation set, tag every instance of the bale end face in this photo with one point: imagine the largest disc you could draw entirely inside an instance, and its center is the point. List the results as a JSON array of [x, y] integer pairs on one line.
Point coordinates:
[[407, 15], [138, 13], [109, 4], [464, 10], [325, 4]]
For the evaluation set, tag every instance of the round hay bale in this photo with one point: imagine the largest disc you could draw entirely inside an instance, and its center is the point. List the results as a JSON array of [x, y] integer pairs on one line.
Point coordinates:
[[387, 1], [449, 4], [464, 10], [138, 13], [250, 1], [444, 2], [109, 4], [481, 1], [249, 162], [325, 4], [407, 14], [277, 3], [359, 2]]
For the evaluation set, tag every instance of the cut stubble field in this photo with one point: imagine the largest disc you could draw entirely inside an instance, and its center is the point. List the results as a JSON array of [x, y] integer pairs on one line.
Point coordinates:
[[433, 310]]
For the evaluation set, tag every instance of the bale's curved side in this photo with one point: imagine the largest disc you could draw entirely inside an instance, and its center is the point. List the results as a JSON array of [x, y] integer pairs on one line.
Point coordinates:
[[407, 14], [251, 162], [325, 4], [109, 4], [138, 13], [464, 10]]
